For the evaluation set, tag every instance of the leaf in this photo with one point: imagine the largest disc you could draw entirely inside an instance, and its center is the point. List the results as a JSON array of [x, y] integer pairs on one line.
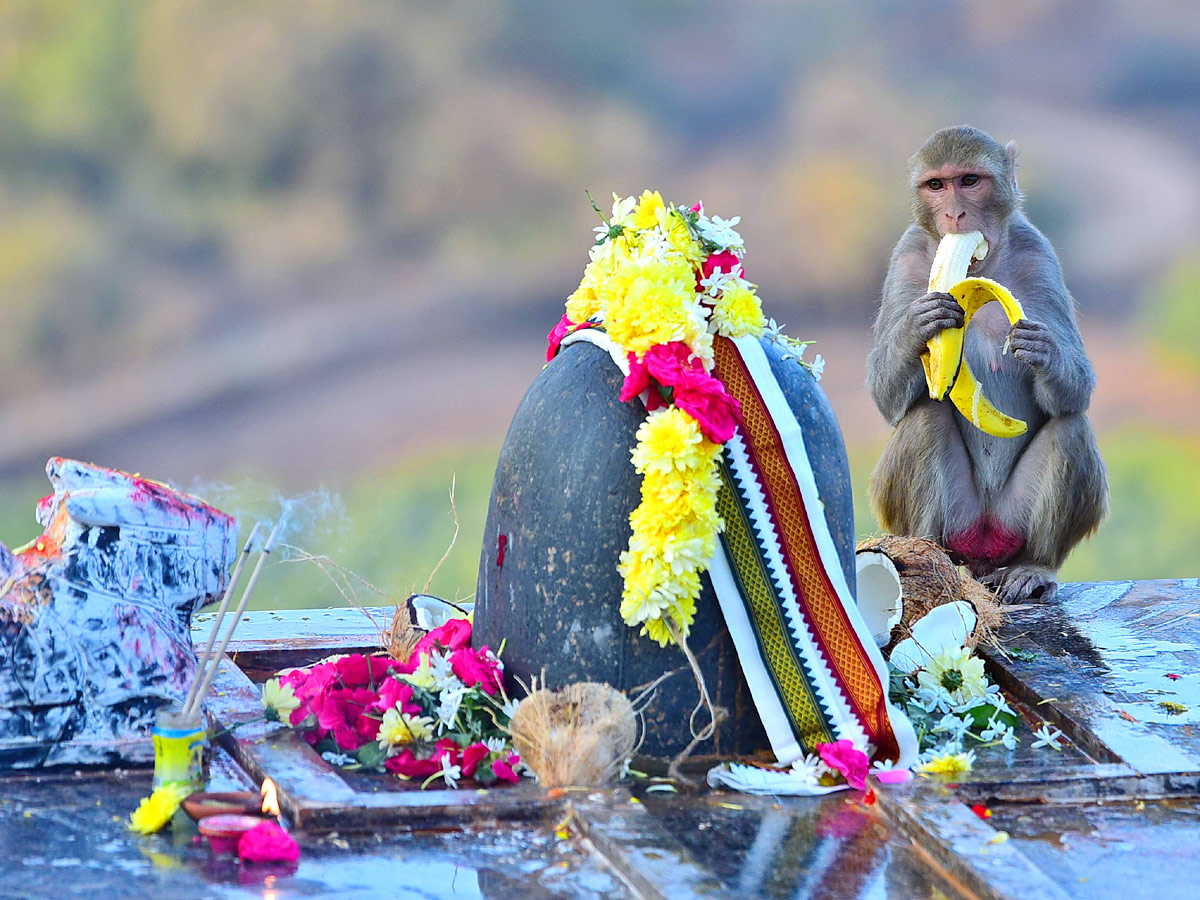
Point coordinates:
[[370, 755], [1021, 654]]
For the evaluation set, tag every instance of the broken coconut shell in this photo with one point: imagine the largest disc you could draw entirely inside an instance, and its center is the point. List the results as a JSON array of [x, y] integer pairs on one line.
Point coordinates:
[[926, 579]]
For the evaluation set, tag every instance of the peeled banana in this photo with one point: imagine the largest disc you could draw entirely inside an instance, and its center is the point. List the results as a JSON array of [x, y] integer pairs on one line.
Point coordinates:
[[946, 368], [954, 255]]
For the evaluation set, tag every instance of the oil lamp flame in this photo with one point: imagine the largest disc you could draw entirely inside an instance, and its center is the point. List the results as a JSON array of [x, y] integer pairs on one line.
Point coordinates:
[[270, 798]]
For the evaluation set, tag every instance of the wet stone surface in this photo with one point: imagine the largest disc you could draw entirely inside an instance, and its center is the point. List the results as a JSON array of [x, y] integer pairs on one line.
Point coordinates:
[[1111, 850], [66, 837], [822, 847]]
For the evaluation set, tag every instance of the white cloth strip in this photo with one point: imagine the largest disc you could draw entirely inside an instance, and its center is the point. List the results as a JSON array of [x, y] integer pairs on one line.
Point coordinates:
[[757, 364]]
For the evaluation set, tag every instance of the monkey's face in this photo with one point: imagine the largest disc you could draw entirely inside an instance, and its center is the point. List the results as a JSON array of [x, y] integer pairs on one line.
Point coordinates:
[[955, 199]]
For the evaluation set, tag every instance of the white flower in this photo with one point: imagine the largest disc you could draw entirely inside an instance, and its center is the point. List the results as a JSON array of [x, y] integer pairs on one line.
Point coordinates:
[[622, 210], [998, 731], [509, 707], [817, 367], [447, 711], [720, 231], [495, 744], [809, 769], [338, 759], [449, 773], [954, 726], [623, 772], [443, 675], [955, 678], [1047, 736], [715, 283]]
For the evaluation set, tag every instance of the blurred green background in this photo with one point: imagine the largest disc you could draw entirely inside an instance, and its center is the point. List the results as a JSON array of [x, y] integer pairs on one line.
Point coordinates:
[[265, 249]]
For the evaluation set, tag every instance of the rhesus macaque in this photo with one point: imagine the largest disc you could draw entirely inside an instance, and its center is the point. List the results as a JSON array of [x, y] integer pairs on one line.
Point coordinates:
[[1010, 509]]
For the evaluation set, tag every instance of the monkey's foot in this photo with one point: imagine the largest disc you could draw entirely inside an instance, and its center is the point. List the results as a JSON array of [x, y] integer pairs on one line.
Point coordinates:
[[1017, 583]]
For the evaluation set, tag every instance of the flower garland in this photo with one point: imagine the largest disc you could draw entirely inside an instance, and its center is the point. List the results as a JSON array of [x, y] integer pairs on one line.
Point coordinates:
[[662, 280]]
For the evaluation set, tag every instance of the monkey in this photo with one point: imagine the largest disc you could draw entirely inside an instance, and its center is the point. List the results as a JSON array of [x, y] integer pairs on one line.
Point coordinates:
[[1009, 509]]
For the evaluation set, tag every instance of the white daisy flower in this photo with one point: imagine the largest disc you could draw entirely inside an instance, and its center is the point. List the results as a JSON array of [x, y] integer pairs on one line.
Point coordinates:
[[810, 768], [447, 711]]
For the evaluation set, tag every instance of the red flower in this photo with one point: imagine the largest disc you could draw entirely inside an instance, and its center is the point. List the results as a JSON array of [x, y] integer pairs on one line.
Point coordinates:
[[358, 670], [367, 729], [1173, 676], [405, 763], [725, 261], [267, 842], [556, 335], [697, 208], [476, 668], [471, 757], [852, 763], [669, 364], [454, 634], [715, 410], [446, 753], [982, 811], [503, 768]]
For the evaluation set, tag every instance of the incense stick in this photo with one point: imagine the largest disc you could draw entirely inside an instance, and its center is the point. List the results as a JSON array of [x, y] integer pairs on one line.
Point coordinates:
[[206, 656], [211, 673]]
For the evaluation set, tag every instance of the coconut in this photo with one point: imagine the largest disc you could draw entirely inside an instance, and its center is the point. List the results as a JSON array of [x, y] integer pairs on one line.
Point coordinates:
[[924, 579], [578, 736]]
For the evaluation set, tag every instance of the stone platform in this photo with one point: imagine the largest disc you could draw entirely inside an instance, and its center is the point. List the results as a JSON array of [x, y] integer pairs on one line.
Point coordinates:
[[1115, 813]]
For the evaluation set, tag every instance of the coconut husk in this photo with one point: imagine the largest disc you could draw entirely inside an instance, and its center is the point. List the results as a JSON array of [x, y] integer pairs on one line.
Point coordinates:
[[929, 579], [578, 736]]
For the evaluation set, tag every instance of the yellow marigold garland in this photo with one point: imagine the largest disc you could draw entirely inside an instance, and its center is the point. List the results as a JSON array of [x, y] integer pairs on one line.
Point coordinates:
[[660, 274]]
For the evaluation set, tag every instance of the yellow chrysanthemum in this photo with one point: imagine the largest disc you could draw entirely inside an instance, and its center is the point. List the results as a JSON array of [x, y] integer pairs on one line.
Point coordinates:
[[738, 312], [422, 675], [679, 237], [949, 764], [401, 728], [669, 440], [278, 700], [646, 214], [156, 810], [651, 301]]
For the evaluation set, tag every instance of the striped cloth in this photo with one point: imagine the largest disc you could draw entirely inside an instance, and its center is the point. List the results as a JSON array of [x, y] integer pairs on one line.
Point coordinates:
[[809, 659]]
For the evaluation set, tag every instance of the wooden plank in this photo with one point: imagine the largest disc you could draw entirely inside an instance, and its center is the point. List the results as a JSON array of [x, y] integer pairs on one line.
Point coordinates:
[[314, 796]]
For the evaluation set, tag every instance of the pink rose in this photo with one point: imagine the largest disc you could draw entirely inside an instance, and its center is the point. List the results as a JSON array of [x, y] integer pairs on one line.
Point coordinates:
[[725, 261], [476, 668], [715, 410], [697, 208], [852, 763], [406, 763], [503, 768], [395, 692], [454, 634], [358, 670], [266, 842], [556, 335], [471, 757], [669, 364]]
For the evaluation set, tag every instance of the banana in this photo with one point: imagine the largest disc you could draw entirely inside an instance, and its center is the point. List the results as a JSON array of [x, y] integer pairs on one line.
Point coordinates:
[[967, 392], [950, 264]]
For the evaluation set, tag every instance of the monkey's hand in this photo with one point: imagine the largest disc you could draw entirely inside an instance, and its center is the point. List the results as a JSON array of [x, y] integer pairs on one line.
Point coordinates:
[[1032, 344], [930, 315]]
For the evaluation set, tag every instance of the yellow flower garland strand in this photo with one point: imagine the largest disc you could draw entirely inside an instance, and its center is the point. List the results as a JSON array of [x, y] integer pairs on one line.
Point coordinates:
[[641, 285]]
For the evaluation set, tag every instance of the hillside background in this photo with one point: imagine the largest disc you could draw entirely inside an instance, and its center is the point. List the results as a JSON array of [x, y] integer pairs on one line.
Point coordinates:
[[263, 249]]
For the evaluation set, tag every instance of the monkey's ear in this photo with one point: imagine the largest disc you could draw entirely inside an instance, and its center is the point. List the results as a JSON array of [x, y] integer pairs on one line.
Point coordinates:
[[1010, 151]]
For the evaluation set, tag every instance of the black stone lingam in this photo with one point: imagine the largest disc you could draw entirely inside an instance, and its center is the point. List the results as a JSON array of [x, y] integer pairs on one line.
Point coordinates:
[[559, 519]]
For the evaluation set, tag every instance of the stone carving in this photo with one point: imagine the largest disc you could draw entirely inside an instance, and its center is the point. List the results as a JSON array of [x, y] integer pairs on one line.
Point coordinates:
[[95, 615]]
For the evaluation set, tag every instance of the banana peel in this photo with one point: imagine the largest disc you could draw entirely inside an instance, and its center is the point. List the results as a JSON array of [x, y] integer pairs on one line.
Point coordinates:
[[967, 393], [946, 368]]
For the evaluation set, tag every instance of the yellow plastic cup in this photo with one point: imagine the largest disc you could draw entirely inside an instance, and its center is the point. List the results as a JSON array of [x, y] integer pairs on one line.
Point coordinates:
[[179, 744]]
